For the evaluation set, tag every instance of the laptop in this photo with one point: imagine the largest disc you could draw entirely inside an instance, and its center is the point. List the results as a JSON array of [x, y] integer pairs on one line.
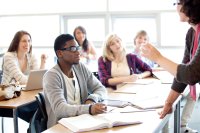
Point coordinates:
[[35, 80]]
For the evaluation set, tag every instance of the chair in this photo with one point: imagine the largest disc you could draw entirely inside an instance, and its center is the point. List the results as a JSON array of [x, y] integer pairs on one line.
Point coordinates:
[[96, 75], [38, 122]]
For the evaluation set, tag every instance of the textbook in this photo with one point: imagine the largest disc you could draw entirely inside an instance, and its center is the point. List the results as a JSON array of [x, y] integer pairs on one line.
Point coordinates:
[[87, 122]]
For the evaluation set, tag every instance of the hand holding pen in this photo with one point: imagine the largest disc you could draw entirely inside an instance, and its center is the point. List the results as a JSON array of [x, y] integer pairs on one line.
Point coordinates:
[[98, 108]]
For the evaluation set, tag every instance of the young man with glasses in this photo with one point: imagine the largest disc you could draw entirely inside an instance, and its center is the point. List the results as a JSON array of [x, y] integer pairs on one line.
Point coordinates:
[[70, 89]]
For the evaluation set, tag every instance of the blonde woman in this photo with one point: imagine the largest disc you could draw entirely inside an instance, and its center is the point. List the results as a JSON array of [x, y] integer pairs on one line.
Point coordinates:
[[115, 66]]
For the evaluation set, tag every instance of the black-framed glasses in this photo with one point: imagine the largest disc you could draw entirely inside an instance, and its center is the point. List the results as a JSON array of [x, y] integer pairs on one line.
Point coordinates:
[[72, 48]]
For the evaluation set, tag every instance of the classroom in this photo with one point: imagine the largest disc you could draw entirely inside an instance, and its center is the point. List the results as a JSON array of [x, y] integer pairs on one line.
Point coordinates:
[[44, 21]]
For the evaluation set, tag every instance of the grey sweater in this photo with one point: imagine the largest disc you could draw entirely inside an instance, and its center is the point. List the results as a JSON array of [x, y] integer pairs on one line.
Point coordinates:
[[55, 93]]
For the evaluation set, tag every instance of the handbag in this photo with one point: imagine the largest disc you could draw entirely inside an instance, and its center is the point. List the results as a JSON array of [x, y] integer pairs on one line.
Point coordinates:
[[9, 91]]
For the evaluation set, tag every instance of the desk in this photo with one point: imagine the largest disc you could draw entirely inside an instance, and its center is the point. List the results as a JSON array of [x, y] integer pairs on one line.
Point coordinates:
[[24, 99], [151, 123]]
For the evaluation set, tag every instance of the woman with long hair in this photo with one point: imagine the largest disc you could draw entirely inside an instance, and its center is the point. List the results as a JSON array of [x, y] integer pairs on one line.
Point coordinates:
[[88, 50], [116, 66]]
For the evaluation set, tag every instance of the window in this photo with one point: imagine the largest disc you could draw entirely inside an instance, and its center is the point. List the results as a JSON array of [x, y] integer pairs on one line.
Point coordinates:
[[173, 31], [43, 29], [95, 27], [127, 28]]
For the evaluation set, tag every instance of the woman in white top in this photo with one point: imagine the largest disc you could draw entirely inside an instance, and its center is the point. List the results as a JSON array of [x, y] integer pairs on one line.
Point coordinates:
[[88, 50], [18, 61]]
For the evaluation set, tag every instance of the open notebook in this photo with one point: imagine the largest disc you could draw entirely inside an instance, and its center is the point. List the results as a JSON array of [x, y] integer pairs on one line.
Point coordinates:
[[34, 80]]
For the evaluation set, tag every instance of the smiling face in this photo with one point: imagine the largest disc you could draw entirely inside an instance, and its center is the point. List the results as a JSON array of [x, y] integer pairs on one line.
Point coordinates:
[[24, 44]]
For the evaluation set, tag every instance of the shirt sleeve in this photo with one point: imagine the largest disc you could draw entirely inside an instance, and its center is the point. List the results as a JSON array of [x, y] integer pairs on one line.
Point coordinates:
[[97, 92], [189, 73], [137, 65], [179, 84], [12, 69], [33, 62], [104, 72]]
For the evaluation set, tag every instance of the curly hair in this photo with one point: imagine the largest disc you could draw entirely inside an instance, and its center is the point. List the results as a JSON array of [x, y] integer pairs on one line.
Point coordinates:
[[191, 9]]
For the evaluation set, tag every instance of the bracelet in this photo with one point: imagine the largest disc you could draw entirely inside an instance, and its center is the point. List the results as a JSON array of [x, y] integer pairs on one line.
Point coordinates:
[[91, 100], [90, 109]]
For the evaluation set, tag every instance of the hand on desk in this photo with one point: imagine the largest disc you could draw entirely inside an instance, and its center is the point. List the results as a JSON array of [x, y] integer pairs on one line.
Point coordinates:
[[132, 78], [167, 109], [98, 108]]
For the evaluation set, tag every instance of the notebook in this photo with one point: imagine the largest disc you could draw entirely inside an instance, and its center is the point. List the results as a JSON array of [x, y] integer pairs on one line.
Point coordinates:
[[34, 80]]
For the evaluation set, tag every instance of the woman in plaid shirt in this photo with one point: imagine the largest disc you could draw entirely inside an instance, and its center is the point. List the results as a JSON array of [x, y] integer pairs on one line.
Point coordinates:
[[115, 66]]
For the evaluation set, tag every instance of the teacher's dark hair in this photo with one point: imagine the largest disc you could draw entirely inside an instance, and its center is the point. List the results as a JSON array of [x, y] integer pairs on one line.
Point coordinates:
[[191, 9]]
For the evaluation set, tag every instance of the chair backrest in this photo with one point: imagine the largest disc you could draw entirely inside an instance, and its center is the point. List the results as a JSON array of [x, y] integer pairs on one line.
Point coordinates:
[[96, 75], [41, 103], [1, 72], [38, 122]]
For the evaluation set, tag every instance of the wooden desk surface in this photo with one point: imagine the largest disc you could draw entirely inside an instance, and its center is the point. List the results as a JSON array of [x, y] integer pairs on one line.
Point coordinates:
[[24, 98]]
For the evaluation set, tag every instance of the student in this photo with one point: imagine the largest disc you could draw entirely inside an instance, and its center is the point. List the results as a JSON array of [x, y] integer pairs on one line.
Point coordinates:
[[70, 89], [186, 73], [115, 66], [88, 51], [142, 38], [17, 63]]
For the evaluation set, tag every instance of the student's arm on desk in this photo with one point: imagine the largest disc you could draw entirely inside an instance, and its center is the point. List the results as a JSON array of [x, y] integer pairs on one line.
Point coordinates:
[[173, 95]]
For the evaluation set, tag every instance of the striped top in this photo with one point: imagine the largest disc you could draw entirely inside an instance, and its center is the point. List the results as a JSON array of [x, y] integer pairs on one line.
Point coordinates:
[[11, 68]]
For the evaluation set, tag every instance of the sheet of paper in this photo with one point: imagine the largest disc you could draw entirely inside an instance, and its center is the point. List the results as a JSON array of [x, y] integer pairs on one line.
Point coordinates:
[[141, 82], [129, 88]]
